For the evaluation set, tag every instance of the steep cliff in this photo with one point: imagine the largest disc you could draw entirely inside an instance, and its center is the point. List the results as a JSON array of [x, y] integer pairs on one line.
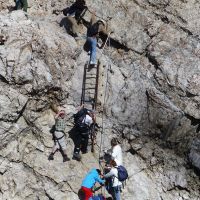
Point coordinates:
[[149, 97]]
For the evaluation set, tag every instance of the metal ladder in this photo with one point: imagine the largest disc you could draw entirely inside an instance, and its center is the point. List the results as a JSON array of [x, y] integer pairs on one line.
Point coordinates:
[[90, 86], [90, 93]]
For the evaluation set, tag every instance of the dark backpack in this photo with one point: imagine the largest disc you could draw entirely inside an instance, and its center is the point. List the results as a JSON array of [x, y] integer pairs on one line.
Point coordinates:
[[79, 120], [122, 173]]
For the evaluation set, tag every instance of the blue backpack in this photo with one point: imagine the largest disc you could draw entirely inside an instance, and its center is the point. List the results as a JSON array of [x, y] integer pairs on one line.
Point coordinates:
[[122, 173], [99, 197]]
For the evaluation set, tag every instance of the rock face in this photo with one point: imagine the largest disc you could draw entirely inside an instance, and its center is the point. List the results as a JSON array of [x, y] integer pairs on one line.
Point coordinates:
[[149, 97]]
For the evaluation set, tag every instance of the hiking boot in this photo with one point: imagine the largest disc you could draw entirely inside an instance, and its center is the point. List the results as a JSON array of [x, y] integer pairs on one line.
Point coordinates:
[[50, 157], [76, 157], [65, 158]]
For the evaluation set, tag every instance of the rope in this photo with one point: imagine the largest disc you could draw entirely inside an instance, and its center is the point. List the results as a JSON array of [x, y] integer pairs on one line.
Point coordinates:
[[104, 100]]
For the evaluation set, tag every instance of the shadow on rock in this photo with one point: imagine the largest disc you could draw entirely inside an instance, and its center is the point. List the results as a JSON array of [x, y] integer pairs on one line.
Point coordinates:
[[68, 23]]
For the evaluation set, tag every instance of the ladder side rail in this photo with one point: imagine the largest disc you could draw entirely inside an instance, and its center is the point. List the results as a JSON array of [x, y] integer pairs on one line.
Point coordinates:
[[83, 85], [96, 86]]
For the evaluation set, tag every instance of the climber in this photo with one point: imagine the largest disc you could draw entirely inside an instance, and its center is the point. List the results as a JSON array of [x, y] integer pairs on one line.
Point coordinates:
[[114, 186], [3, 39], [89, 181], [115, 152], [95, 29], [77, 9], [59, 136], [21, 4], [74, 15], [83, 119]]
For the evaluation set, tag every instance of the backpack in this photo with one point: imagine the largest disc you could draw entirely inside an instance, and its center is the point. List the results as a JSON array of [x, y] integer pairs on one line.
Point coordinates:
[[122, 173], [79, 121]]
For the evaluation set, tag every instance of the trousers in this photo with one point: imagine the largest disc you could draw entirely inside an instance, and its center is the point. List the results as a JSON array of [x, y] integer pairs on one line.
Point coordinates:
[[92, 41], [115, 192], [81, 143], [87, 193]]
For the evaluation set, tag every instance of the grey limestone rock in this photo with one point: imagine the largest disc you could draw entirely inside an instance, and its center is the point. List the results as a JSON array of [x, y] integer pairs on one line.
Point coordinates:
[[148, 96]]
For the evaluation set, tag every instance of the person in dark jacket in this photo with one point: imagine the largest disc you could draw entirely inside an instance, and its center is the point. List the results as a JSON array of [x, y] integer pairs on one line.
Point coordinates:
[[74, 15], [82, 126], [76, 9], [89, 181], [95, 28]]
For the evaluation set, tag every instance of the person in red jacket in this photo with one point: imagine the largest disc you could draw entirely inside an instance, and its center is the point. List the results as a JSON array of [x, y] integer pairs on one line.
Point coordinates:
[[89, 181]]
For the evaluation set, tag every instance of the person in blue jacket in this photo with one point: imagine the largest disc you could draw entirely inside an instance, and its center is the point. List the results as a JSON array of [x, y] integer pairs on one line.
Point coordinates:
[[89, 181]]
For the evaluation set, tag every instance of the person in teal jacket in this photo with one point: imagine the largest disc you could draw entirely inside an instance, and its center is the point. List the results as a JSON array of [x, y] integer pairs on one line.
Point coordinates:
[[89, 181]]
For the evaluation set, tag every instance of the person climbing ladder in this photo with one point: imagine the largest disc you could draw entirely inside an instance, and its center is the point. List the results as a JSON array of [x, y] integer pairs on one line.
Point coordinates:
[[95, 29]]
